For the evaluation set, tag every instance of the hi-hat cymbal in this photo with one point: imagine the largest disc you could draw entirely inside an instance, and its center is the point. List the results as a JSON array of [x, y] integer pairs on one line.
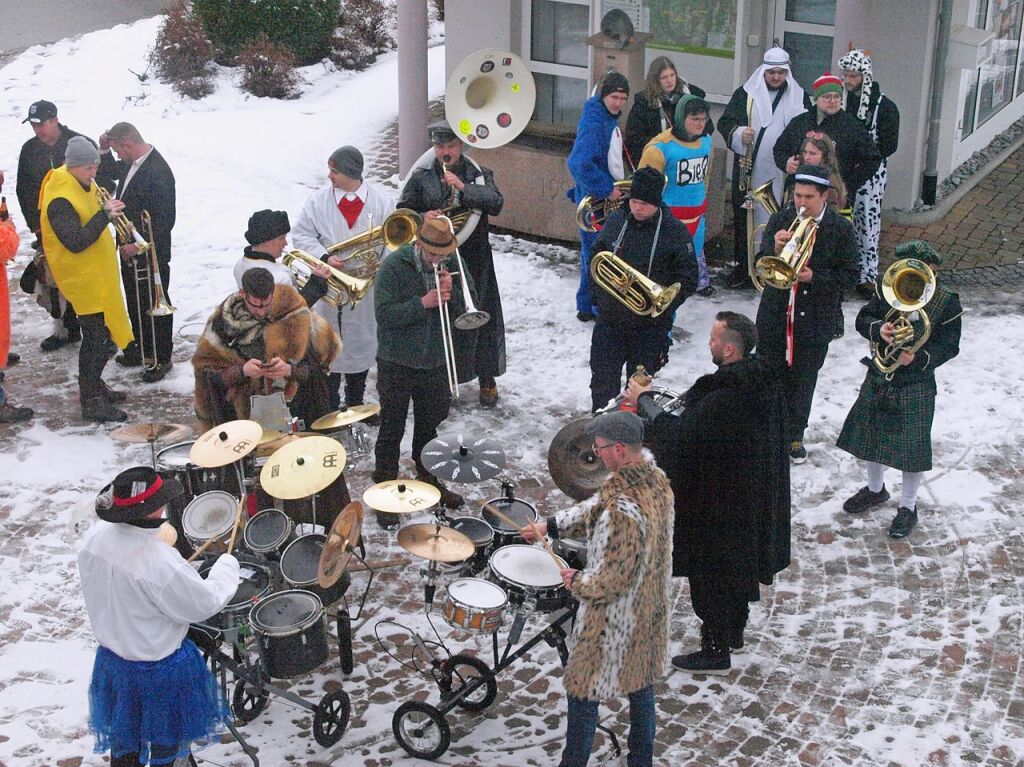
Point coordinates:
[[435, 542], [337, 550], [225, 444], [303, 467], [152, 432], [457, 459], [401, 496], [346, 417]]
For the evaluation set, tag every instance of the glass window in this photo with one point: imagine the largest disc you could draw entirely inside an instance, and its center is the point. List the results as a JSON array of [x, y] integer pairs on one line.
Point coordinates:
[[811, 11], [995, 79], [559, 33], [810, 56], [704, 27], [970, 79], [559, 99]]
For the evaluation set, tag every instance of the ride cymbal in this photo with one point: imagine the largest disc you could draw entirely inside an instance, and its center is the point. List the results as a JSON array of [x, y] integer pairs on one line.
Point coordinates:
[[225, 444], [459, 460], [303, 467], [346, 417], [337, 551], [435, 542], [152, 432], [401, 496]]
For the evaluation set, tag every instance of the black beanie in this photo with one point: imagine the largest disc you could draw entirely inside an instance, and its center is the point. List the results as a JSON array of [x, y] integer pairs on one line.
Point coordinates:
[[266, 225], [647, 185], [614, 82]]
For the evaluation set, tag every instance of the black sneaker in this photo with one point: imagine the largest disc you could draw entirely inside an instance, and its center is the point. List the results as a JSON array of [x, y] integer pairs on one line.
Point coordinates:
[[13, 358], [99, 410], [704, 661], [57, 340], [864, 499], [707, 291], [585, 317], [11, 414], [903, 522], [738, 278], [797, 451], [152, 375]]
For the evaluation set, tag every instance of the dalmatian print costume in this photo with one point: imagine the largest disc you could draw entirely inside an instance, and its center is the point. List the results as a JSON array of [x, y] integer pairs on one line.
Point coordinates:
[[881, 118]]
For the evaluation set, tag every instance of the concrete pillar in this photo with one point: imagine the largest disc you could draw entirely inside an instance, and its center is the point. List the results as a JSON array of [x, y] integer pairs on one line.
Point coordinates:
[[412, 82]]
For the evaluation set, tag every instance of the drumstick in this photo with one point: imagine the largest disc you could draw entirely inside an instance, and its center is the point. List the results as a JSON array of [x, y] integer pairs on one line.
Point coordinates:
[[379, 564], [202, 548], [211, 541], [238, 521], [533, 526]]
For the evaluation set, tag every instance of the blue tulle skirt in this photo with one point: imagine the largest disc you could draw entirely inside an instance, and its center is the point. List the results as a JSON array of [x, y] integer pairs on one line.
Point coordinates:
[[134, 705]]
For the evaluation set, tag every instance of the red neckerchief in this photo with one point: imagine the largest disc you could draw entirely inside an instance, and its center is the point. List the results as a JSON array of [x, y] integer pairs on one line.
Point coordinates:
[[350, 209]]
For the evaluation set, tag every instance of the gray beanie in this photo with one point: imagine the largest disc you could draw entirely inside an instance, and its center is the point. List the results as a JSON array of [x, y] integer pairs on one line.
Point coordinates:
[[618, 426], [81, 151], [347, 161]]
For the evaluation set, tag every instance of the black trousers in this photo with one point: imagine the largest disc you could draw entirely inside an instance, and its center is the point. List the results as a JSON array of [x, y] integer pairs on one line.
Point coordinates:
[[93, 355], [355, 388], [720, 598], [739, 235], [612, 347], [144, 331], [799, 382], [431, 399]]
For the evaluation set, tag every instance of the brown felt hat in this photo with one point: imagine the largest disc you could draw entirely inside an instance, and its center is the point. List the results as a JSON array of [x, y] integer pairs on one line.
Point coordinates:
[[435, 237]]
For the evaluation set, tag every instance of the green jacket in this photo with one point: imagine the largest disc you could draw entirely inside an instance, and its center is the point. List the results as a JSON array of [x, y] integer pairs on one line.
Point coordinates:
[[408, 334]]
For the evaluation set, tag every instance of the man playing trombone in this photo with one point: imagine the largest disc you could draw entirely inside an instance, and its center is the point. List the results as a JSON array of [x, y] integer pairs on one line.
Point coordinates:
[[347, 206], [415, 303]]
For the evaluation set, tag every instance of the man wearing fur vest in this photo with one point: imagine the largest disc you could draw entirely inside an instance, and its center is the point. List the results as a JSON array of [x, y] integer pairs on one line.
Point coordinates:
[[263, 336], [620, 635]]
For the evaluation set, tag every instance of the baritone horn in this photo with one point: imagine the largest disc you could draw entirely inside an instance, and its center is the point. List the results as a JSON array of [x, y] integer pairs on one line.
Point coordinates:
[[359, 252], [907, 286], [781, 271], [765, 197], [342, 288], [591, 214], [634, 290]]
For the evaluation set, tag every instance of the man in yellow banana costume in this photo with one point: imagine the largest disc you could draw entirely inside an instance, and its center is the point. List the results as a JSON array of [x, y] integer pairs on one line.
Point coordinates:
[[83, 258]]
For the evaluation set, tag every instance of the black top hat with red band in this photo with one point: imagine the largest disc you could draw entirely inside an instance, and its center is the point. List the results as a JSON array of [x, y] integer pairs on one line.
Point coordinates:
[[135, 494]]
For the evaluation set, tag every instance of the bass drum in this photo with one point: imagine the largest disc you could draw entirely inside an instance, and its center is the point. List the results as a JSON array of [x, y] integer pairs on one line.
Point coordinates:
[[292, 633]]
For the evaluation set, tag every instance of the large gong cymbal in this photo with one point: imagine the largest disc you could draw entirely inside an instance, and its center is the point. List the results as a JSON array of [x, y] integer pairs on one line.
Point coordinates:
[[401, 496], [457, 459], [152, 432], [302, 468], [342, 538], [346, 417], [575, 469], [225, 444], [435, 542]]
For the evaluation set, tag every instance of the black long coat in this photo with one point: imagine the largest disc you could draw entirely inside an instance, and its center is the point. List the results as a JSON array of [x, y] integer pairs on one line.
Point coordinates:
[[151, 188], [644, 121], [35, 161], [425, 191], [726, 457], [856, 151]]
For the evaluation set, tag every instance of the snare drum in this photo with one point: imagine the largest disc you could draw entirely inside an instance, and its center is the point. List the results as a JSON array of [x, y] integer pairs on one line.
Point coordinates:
[[519, 511], [253, 585], [210, 515], [300, 563], [292, 633], [474, 605], [529, 573], [482, 536], [267, 532]]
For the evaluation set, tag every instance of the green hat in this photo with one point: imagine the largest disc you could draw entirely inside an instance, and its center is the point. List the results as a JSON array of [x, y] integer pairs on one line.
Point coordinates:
[[920, 250], [679, 116]]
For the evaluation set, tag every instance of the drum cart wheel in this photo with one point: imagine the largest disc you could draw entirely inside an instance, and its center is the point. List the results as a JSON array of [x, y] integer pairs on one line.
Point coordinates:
[[421, 730], [248, 700], [459, 671], [330, 718]]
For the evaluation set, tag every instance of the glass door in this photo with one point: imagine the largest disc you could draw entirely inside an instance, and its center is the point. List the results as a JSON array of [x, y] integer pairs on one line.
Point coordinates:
[[806, 29]]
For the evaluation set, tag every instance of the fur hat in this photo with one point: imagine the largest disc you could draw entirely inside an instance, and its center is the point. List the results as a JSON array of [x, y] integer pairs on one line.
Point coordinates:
[[265, 225], [827, 83], [618, 426], [135, 494], [647, 185], [435, 237], [80, 152]]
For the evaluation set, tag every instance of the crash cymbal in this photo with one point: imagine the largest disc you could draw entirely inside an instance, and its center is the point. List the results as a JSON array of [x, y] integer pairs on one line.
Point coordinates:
[[346, 417], [401, 496], [152, 432], [435, 542], [342, 538], [457, 459], [575, 469], [303, 467], [225, 444]]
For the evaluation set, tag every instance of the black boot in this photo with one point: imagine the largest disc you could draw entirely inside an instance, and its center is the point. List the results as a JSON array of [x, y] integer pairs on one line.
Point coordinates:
[[904, 521], [449, 498], [99, 410], [711, 658], [864, 499]]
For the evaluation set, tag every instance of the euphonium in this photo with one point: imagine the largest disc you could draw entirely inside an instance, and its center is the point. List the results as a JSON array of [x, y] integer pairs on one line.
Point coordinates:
[[634, 290], [781, 271], [907, 286], [359, 252], [765, 197], [342, 288], [591, 214]]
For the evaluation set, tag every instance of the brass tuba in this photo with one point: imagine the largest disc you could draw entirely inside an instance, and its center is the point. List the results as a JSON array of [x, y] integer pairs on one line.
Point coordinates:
[[765, 197], [591, 214], [359, 252], [342, 288], [781, 271], [637, 292], [907, 286]]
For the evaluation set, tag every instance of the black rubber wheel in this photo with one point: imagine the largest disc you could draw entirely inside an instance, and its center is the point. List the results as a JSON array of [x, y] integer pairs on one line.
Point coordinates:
[[248, 700], [421, 730], [460, 669], [331, 718]]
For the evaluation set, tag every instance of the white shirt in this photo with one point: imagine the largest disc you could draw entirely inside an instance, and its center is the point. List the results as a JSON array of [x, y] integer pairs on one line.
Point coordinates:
[[282, 274], [140, 593], [132, 171]]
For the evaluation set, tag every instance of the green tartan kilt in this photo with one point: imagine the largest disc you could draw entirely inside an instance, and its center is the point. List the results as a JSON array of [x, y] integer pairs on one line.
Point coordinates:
[[891, 424]]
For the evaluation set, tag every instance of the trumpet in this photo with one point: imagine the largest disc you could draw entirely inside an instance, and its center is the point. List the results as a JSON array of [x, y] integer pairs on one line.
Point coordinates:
[[634, 290], [591, 214], [907, 286], [781, 271], [342, 288]]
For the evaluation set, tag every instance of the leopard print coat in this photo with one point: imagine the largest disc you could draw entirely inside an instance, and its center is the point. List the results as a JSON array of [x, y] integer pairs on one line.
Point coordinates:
[[620, 638]]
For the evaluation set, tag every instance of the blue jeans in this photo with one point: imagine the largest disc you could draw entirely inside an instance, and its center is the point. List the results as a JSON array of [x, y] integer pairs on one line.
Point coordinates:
[[582, 723], [584, 303]]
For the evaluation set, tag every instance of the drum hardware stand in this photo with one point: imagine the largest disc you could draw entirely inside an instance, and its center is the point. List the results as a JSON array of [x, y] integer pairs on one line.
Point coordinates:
[[430, 587], [344, 617]]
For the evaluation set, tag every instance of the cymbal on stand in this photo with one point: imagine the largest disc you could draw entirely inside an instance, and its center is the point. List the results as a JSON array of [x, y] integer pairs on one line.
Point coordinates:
[[225, 444], [459, 460], [346, 417], [337, 551], [401, 496], [303, 467], [434, 542], [151, 432]]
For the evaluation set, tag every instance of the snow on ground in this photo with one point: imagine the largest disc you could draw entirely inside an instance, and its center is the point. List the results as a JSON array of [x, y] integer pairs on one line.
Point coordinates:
[[866, 651]]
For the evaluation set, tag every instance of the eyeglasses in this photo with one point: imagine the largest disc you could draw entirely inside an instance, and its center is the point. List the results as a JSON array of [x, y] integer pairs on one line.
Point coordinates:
[[830, 97], [598, 448]]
